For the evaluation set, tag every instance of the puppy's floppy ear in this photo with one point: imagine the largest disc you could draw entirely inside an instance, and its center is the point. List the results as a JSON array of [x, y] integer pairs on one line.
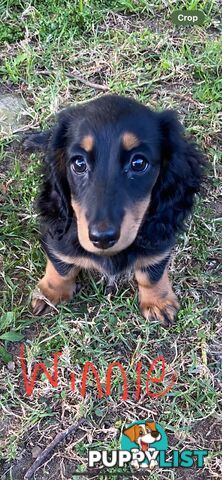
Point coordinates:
[[151, 426], [178, 181], [54, 200], [37, 141], [131, 433]]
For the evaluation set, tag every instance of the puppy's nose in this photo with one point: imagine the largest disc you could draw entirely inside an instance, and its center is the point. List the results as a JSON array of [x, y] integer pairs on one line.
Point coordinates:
[[154, 434], [103, 236]]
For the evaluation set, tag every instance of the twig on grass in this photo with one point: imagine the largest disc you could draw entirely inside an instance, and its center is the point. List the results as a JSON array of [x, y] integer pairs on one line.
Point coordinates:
[[55, 442], [97, 86], [77, 77]]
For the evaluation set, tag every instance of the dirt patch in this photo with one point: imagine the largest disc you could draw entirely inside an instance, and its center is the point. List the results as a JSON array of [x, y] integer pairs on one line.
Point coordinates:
[[207, 432], [56, 465]]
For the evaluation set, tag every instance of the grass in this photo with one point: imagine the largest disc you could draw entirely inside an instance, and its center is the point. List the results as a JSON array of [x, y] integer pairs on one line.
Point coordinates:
[[129, 47]]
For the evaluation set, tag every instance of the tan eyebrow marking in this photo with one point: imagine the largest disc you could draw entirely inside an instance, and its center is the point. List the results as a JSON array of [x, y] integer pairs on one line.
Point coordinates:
[[130, 140], [87, 143]]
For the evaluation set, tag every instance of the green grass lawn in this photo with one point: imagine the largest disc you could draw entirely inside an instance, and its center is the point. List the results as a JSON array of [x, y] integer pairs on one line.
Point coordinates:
[[52, 54]]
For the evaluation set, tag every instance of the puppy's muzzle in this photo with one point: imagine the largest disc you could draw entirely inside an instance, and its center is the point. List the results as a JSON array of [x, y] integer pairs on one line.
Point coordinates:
[[103, 236]]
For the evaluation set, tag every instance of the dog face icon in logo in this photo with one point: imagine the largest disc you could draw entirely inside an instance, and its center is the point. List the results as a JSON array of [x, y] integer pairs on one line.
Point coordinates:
[[143, 434], [144, 439]]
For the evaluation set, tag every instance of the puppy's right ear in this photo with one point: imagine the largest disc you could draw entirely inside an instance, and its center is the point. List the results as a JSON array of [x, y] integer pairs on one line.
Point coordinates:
[[130, 433], [55, 199], [36, 141]]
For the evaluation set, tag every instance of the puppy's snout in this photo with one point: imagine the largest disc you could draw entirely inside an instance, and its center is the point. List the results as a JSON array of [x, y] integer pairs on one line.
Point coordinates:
[[155, 434], [103, 236]]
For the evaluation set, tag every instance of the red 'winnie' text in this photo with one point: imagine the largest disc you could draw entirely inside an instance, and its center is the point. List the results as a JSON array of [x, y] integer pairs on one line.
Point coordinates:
[[157, 364]]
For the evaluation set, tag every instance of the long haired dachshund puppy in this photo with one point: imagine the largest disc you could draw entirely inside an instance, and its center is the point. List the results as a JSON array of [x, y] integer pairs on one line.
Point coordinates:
[[119, 183]]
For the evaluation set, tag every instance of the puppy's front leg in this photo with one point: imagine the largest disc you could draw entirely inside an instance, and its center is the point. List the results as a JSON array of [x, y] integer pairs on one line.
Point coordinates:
[[156, 297], [54, 287]]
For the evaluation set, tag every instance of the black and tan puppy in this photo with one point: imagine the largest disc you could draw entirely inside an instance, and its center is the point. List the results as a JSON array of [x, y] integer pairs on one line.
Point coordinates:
[[120, 180]]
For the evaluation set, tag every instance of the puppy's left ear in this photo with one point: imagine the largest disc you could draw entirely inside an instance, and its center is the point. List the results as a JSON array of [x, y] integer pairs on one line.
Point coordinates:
[[179, 179]]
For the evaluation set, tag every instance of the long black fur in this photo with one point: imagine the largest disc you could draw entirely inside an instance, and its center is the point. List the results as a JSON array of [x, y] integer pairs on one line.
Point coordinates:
[[180, 173]]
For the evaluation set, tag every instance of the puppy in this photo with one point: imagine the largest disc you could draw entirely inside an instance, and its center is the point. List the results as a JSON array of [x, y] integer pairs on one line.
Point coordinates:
[[119, 182]]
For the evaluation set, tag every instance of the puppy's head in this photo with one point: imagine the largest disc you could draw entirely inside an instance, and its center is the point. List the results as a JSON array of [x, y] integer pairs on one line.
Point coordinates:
[[112, 164], [116, 163]]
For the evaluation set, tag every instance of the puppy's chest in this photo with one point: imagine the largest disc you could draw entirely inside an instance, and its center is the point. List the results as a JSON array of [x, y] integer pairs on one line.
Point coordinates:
[[68, 251], [112, 266], [115, 265]]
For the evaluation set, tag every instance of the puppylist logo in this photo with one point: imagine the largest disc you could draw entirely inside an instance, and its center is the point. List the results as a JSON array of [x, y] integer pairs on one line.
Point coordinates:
[[144, 444]]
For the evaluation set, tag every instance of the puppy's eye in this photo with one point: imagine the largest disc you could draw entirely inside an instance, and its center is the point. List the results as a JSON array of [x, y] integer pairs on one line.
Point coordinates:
[[139, 163], [78, 164]]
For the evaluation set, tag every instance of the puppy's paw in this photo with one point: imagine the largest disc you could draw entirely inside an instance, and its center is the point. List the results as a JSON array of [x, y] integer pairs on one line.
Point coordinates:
[[40, 303], [163, 311], [45, 296]]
